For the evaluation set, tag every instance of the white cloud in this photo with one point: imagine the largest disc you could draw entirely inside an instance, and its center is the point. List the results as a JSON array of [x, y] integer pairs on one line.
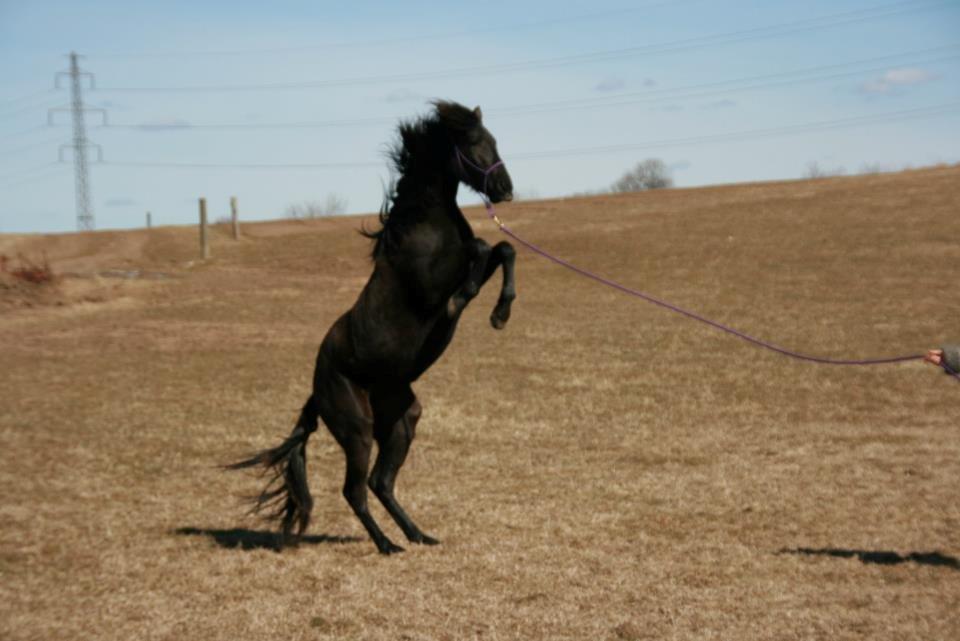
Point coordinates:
[[893, 79], [609, 84]]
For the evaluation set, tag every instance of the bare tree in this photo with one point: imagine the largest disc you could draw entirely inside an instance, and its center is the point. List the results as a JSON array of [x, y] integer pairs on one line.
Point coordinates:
[[652, 173], [332, 205]]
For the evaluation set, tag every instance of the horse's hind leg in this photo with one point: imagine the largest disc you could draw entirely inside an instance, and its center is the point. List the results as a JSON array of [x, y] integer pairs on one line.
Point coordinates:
[[345, 409], [395, 423]]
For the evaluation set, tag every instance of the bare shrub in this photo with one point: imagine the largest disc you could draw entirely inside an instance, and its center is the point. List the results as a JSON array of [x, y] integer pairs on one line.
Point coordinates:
[[652, 173], [814, 170], [332, 205], [870, 168], [587, 193], [28, 271]]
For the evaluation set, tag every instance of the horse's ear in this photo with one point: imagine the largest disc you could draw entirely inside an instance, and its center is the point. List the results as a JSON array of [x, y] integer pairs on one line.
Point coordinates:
[[478, 113], [456, 117]]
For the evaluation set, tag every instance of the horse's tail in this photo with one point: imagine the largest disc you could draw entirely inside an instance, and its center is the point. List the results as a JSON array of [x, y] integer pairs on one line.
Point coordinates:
[[286, 498]]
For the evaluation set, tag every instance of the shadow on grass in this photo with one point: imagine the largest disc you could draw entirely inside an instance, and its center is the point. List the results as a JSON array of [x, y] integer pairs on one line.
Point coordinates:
[[880, 557], [259, 539]]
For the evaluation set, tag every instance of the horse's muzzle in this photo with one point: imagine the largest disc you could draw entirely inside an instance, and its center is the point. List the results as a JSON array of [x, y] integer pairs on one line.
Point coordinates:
[[500, 189]]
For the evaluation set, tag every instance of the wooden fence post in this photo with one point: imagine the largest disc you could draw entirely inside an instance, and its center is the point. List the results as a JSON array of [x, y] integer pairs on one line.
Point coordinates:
[[234, 217], [149, 221], [204, 242]]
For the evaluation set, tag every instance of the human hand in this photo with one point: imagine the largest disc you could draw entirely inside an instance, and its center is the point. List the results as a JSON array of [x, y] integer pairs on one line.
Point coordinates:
[[934, 356]]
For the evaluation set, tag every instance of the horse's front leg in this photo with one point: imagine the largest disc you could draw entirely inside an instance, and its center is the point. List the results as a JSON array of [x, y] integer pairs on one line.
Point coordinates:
[[478, 255], [502, 254], [483, 263]]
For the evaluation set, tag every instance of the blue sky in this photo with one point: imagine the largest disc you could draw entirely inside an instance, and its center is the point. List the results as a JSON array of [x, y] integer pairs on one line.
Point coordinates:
[[712, 88]]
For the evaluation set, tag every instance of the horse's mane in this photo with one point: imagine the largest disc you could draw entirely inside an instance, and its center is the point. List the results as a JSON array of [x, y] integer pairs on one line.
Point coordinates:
[[420, 142]]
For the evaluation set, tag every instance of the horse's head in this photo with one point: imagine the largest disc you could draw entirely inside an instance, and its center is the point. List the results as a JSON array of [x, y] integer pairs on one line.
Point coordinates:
[[475, 159]]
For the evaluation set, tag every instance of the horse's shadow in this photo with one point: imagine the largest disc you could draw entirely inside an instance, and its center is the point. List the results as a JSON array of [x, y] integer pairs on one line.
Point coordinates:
[[880, 557], [244, 539]]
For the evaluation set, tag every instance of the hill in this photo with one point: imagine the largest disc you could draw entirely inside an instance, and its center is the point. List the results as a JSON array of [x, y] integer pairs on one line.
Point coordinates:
[[601, 469]]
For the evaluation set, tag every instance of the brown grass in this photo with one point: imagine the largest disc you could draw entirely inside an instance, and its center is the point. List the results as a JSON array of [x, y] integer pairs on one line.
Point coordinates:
[[601, 469]]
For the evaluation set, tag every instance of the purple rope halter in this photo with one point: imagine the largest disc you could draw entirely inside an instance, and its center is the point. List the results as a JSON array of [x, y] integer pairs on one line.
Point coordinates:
[[461, 159]]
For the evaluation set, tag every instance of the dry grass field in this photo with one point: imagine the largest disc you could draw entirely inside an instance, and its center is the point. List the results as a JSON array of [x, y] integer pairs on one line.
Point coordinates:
[[601, 469]]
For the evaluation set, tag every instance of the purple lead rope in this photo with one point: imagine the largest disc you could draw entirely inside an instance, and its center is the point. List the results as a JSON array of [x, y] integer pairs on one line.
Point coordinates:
[[661, 303]]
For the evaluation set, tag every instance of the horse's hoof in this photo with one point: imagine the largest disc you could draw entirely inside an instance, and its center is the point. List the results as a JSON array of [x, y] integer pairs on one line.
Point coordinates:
[[499, 319], [389, 548], [425, 539], [285, 541]]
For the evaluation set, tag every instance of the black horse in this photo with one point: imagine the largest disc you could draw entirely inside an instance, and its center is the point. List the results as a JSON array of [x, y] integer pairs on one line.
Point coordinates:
[[427, 266]]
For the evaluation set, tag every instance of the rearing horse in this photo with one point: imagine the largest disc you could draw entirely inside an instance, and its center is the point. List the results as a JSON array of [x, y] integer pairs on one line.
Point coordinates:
[[428, 265]]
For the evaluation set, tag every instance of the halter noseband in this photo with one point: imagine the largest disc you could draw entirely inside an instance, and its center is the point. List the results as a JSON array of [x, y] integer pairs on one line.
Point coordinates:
[[462, 158]]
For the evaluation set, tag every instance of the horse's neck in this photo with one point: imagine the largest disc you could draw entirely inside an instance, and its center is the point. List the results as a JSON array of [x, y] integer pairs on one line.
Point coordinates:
[[433, 201]]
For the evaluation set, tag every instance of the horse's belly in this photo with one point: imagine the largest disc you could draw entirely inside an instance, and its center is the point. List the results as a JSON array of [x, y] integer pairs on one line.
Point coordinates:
[[399, 351], [393, 333]]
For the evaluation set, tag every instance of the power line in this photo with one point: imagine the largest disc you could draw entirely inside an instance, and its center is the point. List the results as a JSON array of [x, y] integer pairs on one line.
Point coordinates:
[[781, 29], [204, 165], [823, 125], [24, 108], [22, 132], [53, 169], [704, 94], [22, 172], [400, 39], [380, 120], [49, 141], [721, 87], [735, 136], [12, 101], [752, 82]]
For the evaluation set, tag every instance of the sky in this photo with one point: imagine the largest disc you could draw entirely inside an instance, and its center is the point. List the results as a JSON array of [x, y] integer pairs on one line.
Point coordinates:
[[283, 103]]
